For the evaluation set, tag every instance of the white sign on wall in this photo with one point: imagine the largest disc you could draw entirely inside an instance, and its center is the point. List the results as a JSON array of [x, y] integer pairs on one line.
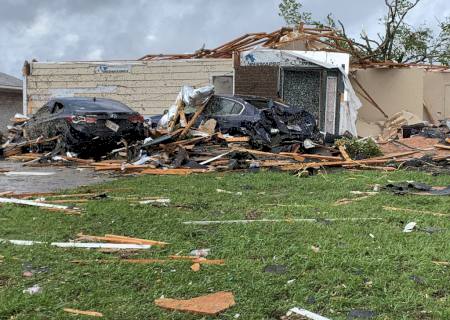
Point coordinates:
[[105, 68]]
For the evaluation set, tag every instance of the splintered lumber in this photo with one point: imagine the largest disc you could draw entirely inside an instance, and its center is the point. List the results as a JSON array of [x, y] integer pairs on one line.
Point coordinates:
[[441, 146], [180, 171], [344, 154], [395, 155], [36, 204], [124, 239], [267, 154], [211, 304], [313, 156], [193, 119], [301, 166], [233, 139], [145, 261], [120, 239], [202, 222], [84, 313]]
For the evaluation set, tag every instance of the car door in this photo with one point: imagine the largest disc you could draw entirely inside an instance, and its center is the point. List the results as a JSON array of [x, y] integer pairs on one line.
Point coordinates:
[[228, 112]]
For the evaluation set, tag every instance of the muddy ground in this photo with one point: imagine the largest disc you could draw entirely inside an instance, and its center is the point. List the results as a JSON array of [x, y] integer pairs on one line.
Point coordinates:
[[61, 178]]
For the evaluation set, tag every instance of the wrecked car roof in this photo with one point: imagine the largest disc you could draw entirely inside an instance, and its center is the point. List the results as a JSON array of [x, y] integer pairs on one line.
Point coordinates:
[[91, 104]]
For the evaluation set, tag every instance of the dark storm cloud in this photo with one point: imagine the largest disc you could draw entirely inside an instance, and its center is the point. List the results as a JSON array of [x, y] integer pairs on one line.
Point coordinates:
[[50, 30]]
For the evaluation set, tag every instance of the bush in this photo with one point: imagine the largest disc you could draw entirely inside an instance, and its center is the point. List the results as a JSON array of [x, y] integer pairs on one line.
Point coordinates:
[[359, 149]]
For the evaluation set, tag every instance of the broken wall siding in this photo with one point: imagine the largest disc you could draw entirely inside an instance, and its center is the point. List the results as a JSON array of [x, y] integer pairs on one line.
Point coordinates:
[[257, 81], [394, 90], [148, 87]]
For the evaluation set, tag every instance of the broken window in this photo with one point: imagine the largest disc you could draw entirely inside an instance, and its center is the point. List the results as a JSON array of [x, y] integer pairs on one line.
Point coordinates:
[[223, 107]]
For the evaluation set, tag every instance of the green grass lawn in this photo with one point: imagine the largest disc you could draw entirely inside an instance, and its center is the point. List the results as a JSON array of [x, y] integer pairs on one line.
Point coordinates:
[[368, 265]]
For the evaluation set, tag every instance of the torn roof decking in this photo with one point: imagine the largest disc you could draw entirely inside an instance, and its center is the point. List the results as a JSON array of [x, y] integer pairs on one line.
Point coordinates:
[[316, 39], [267, 40]]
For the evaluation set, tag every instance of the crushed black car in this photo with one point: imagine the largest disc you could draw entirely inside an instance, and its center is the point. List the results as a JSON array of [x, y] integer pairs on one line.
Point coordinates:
[[269, 123], [86, 125]]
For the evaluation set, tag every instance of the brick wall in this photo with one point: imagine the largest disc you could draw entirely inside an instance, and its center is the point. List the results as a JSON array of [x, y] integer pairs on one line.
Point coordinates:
[[10, 104], [256, 80]]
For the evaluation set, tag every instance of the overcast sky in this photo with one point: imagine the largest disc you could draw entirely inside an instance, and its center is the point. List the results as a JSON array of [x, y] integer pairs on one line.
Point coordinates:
[[64, 30]]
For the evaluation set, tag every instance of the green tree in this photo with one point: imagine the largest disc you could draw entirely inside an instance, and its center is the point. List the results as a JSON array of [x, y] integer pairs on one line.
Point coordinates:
[[399, 42]]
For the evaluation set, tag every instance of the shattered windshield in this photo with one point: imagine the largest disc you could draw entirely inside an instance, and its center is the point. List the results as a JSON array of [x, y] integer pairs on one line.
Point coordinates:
[[99, 105]]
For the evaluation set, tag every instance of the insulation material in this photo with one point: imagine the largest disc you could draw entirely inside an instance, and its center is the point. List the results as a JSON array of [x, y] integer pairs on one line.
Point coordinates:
[[191, 98]]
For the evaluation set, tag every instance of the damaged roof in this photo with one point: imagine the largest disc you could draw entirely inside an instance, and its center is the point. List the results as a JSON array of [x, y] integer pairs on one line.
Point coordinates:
[[9, 82]]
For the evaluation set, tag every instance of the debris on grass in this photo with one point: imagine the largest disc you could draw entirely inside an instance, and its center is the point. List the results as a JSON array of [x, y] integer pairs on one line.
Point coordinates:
[[417, 188], [200, 252], [442, 263], [205, 222], [36, 289], [40, 204], [410, 227], [276, 268], [437, 214], [305, 313], [120, 239], [81, 245], [211, 304], [361, 314], [229, 192], [195, 267], [83, 313]]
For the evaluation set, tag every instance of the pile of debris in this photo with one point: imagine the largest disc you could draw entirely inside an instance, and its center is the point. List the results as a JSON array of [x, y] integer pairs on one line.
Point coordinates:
[[185, 140]]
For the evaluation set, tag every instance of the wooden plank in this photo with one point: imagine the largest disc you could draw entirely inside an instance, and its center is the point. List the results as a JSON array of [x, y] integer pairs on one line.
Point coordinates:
[[313, 156], [83, 313], [441, 146], [193, 119], [344, 153]]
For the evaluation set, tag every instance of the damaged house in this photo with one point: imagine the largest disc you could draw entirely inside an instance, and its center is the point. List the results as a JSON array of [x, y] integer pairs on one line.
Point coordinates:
[[10, 98], [302, 67]]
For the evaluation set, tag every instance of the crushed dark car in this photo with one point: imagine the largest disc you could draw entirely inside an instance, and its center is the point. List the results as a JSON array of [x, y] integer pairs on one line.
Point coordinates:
[[269, 123], [87, 126]]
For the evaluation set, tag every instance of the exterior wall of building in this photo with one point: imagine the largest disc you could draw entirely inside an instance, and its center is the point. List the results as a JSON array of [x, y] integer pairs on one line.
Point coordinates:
[[10, 104], [148, 87], [437, 93], [256, 81], [393, 90]]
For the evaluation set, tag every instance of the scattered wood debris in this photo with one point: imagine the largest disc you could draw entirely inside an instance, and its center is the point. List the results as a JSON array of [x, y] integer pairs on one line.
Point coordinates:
[[211, 304], [83, 313], [120, 239]]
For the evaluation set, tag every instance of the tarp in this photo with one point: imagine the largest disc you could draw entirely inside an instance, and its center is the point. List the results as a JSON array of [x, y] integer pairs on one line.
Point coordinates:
[[329, 60]]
